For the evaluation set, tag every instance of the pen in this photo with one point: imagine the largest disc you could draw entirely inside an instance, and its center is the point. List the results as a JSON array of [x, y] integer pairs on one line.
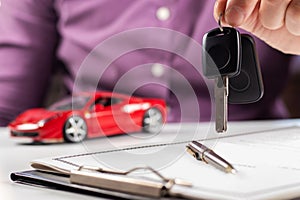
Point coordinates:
[[205, 154]]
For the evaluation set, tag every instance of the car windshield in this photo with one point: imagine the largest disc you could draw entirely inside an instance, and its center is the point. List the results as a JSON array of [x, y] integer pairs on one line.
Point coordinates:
[[70, 103]]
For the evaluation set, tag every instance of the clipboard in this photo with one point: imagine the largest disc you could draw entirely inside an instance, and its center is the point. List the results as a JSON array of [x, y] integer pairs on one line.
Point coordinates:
[[257, 177]]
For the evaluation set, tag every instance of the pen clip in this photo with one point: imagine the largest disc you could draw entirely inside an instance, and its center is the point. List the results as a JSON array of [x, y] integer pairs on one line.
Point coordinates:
[[191, 151], [197, 150]]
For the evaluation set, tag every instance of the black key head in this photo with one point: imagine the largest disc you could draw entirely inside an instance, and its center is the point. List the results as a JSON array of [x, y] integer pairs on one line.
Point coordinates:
[[247, 87], [221, 52]]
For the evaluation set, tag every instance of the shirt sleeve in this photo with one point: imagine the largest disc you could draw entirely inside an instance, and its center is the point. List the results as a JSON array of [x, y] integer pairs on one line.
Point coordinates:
[[28, 39]]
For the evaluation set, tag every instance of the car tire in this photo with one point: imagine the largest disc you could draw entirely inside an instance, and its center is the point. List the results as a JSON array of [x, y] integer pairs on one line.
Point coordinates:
[[153, 120], [75, 129]]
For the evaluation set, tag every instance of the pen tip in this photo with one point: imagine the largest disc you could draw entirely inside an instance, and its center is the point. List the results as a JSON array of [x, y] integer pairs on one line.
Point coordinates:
[[233, 171]]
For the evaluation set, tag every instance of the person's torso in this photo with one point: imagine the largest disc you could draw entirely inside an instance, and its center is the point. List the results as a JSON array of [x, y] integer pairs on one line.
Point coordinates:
[[153, 48]]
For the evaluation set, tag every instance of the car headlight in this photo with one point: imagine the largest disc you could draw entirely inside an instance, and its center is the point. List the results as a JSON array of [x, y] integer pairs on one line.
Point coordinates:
[[42, 122], [25, 127]]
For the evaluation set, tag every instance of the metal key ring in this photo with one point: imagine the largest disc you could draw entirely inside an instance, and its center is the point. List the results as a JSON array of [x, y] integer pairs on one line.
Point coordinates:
[[219, 22]]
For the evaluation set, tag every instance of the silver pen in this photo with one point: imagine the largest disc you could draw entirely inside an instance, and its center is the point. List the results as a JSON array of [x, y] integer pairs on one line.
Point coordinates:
[[205, 154]]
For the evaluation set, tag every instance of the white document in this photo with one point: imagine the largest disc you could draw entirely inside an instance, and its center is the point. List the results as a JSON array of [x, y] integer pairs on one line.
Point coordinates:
[[267, 162]]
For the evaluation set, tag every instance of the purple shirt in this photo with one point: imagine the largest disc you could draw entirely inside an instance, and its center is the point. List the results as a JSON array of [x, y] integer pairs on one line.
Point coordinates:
[[146, 48]]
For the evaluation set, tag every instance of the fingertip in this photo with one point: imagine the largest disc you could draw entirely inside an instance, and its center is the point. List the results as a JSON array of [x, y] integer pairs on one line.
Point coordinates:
[[234, 16], [292, 19], [219, 8]]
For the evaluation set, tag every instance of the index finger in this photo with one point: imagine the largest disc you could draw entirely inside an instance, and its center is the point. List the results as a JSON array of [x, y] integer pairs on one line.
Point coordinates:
[[272, 13]]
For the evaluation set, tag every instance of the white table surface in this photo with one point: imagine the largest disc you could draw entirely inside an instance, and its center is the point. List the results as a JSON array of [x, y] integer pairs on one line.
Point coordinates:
[[15, 155]]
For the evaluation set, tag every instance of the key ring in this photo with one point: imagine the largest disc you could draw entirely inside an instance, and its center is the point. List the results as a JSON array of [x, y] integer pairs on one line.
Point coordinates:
[[219, 22]]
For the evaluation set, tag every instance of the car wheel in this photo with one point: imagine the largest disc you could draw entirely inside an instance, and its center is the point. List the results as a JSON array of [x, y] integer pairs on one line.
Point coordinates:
[[75, 129], [153, 120]]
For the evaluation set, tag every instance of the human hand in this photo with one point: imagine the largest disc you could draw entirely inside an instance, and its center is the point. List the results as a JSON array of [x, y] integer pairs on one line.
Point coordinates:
[[277, 22]]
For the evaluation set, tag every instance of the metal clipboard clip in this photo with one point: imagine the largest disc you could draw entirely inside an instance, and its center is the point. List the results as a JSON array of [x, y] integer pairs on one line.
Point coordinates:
[[121, 182]]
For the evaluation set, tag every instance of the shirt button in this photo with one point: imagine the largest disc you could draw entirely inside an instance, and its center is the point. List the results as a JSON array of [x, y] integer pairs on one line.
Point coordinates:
[[163, 13], [157, 70]]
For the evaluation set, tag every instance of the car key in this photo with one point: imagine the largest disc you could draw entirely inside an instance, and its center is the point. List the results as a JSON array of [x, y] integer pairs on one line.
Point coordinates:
[[247, 87], [221, 59], [221, 102]]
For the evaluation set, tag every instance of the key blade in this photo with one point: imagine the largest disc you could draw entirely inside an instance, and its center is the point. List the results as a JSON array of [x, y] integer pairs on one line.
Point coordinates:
[[221, 97]]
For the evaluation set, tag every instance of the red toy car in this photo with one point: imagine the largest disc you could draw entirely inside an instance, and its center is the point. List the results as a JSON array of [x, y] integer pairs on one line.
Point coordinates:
[[90, 115]]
